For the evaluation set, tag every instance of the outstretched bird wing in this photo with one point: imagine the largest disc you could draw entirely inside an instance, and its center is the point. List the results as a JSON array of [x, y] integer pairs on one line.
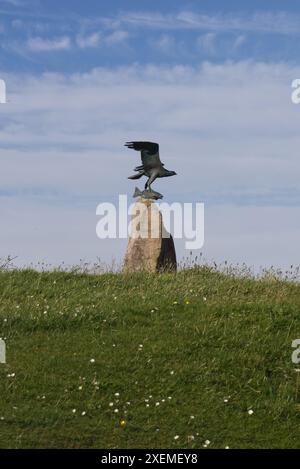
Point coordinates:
[[149, 153]]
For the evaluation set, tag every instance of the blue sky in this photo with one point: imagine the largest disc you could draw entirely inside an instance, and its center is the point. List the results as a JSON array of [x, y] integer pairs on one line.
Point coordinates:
[[209, 80], [81, 35]]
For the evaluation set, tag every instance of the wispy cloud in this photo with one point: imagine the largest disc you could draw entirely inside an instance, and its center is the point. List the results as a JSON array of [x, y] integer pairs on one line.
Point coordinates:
[[267, 22], [38, 44], [161, 31], [97, 39], [91, 40], [207, 42], [191, 112], [117, 37], [239, 41], [186, 108], [165, 44], [75, 125], [15, 3]]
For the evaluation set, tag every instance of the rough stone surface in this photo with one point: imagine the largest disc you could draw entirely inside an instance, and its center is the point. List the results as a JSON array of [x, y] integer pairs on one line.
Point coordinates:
[[150, 248]]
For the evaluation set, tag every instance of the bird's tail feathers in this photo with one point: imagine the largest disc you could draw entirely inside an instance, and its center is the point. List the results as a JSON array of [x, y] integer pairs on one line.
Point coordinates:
[[136, 176]]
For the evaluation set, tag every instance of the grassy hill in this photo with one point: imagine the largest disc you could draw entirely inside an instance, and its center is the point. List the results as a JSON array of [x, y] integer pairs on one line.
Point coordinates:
[[152, 361]]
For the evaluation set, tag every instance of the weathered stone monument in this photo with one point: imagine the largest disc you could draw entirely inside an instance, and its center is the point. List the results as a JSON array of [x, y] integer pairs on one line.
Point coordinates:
[[150, 247]]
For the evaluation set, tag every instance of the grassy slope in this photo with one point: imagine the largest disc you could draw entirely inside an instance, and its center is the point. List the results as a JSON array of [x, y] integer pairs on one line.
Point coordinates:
[[237, 343]]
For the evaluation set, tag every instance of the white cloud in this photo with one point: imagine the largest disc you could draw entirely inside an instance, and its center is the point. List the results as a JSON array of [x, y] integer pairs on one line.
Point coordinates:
[[38, 44], [92, 40], [229, 130], [239, 41], [117, 37]]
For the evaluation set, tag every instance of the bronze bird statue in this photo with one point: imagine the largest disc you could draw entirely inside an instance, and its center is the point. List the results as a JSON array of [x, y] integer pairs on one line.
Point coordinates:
[[151, 166]]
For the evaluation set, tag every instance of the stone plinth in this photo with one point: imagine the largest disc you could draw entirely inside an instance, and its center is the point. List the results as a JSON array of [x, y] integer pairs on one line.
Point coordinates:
[[150, 248]]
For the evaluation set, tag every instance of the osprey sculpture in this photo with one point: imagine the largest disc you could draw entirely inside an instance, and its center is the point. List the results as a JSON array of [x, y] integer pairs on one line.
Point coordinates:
[[151, 167]]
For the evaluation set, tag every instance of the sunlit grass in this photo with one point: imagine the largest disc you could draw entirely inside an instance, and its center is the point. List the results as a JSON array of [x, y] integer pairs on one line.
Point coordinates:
[[198, 359]]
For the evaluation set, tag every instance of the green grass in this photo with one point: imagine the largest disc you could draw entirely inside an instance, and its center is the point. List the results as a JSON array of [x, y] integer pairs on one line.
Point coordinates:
[[206, 337]]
